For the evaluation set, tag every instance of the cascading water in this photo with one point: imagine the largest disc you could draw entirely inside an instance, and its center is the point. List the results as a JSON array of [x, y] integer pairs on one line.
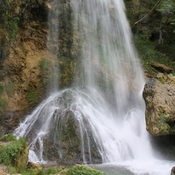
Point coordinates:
[[105, 102]]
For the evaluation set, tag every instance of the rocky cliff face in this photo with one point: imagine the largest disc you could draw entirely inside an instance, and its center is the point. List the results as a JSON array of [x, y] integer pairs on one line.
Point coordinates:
[[26, 65], [23, 74], [24, 48]]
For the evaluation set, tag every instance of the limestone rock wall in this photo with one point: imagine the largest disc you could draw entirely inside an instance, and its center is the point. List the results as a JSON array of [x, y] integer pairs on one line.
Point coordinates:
[[26, 65]]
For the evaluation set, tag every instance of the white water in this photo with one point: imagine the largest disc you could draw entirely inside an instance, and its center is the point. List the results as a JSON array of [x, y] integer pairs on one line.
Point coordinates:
[[108, 95]]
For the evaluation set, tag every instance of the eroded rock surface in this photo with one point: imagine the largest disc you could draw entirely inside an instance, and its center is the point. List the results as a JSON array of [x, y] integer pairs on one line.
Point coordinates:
[[159, 95]]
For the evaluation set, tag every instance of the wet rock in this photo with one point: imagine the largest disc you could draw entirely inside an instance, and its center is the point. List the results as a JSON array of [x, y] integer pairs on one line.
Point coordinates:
[[70, 148], [173, 171], [3, 170], [159, 95], [70, 140], [9, 120]]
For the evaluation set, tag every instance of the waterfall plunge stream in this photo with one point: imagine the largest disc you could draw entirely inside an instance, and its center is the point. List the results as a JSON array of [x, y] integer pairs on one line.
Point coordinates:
[[105, 100]]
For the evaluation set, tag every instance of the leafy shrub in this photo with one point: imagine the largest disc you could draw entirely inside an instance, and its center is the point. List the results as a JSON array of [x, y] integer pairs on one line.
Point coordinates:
[[83, 170], [10, 153], [51, 171], [29, 172], [12, 169], [8, 137]]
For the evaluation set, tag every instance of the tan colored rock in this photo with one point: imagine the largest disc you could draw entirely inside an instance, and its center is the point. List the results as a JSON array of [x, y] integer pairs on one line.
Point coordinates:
[[22, 66], [159, 95], [36, 167], [161, 67], [3, 170]]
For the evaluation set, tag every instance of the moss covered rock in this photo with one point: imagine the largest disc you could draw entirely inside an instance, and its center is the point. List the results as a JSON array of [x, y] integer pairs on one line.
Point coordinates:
[[70, 140], [83, 170]]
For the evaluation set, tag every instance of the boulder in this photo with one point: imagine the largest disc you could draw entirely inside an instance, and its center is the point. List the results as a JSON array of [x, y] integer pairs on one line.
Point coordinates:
[[70, 139], [159, 95], [173, 171]]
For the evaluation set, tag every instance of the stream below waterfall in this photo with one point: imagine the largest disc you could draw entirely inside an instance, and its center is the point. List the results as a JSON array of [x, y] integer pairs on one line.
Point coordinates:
[[152, 167]]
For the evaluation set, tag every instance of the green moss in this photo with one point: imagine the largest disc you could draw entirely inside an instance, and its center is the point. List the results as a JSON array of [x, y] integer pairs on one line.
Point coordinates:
[[3, 104], [10, 19], [44, 65], [48, 69], [8, 137], [29, 172], [164, 127], [1, 87], [75, 170], [12, 169], [161, 79], [83, 170], [67, 67], [21, 161], [44, 171], [32, 96], [51, 171]]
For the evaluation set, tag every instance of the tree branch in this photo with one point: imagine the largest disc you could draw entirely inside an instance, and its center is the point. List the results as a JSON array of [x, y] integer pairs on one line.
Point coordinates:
[[158, 2]]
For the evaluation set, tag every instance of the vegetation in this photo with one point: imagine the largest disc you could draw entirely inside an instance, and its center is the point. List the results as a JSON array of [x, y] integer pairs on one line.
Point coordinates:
[[83, 170], [167, 8], [44, 65], [3, 104], [10, 18], [14, 155], [32, 96], [67, 68], [154, 33], [148, 52], [10, 153], [8, 137]]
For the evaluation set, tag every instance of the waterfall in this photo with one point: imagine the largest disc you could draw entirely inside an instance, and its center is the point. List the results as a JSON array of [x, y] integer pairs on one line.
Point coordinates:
[[105, 101]]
